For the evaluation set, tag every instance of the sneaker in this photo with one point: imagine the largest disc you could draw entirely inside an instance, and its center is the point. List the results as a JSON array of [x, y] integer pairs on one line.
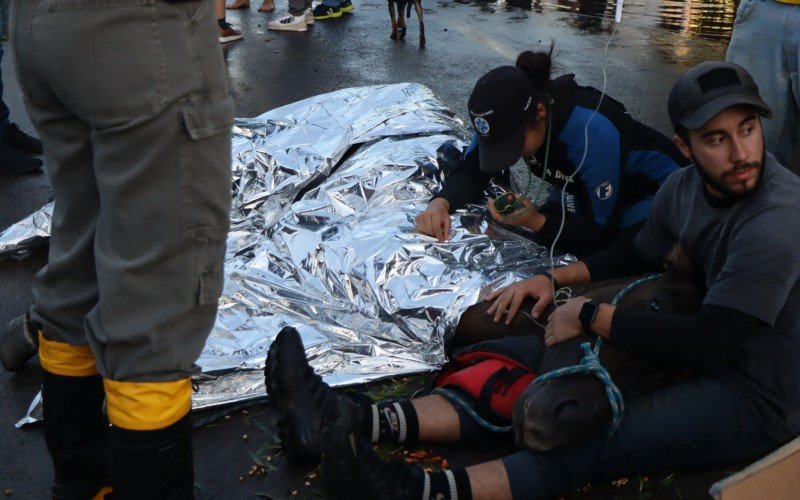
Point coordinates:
[[228, 34], [21, 141], [289, 23], [323, 11], [346, 6], [13, 162], [299, 394], [309, 15]]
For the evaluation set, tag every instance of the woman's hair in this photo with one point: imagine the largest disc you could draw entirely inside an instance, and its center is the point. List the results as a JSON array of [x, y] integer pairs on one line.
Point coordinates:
[[538, 66]]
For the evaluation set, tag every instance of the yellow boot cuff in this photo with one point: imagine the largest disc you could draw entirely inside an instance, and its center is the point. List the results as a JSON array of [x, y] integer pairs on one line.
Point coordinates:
[[60, 358], [147, 406]]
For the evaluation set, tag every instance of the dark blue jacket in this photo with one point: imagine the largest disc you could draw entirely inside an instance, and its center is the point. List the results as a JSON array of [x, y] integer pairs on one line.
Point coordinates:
[[625, 164]]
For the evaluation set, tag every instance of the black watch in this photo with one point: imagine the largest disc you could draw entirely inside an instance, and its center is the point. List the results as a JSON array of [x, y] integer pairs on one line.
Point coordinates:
[[588, 314]]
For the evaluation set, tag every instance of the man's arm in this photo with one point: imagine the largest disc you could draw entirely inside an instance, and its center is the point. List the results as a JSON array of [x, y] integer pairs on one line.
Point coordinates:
[[708, 338], [615, 262], [580, 235]]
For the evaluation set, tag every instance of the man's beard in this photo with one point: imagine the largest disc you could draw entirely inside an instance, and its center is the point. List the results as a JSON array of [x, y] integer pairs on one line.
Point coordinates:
[[718, 182]]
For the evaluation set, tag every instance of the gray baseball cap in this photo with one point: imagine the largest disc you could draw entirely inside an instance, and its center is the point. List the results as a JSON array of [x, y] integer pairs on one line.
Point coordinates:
[[708, 88]]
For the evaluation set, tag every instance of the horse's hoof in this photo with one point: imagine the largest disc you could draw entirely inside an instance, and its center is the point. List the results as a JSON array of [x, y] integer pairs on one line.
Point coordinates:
[[393, 36], [402, 33], [422, 42]]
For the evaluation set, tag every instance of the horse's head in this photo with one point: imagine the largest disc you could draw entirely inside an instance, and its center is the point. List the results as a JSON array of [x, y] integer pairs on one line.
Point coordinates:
[[564, 410]]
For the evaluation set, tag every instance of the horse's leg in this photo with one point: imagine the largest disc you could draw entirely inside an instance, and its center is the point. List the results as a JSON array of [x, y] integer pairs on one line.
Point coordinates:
[[418, 6], [476, 326], [393, 36]]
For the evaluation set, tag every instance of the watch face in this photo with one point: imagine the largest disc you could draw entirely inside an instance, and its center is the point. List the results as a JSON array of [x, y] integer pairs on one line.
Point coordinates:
[[588, 313]]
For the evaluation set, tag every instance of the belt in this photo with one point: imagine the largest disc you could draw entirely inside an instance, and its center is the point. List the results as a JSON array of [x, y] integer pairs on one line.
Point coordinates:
[[790, 2]]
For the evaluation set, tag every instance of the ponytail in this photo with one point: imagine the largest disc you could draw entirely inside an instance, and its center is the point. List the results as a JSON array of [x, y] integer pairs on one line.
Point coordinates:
[[537, 65]]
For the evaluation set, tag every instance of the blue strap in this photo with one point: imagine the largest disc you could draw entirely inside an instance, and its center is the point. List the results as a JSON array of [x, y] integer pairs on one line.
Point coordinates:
[[467, 406]]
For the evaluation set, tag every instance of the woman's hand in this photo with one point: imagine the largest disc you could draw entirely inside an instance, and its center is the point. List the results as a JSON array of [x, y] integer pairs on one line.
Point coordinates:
[[435, 220], [563, 323], [508, 299], [526, 214]]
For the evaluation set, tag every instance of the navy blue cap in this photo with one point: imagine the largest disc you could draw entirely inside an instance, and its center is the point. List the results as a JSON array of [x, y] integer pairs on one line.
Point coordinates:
[[497, 108]]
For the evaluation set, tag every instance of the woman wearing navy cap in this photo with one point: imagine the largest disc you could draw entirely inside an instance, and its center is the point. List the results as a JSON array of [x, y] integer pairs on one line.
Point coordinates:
[[520, 112]]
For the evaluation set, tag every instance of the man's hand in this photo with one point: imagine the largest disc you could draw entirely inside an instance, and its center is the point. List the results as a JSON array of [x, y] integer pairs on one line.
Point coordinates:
[[435, 220], [509, 298], [563, 323], [526, 215]]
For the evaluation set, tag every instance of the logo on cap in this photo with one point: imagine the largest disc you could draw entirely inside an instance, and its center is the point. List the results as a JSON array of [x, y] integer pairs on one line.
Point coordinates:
[[482, 126]]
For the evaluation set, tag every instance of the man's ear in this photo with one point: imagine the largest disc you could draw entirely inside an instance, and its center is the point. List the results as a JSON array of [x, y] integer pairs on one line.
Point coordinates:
[[684, 148]]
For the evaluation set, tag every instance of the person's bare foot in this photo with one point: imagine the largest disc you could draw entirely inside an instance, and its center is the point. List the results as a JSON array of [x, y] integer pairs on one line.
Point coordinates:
[[267, 6], [238, 4]]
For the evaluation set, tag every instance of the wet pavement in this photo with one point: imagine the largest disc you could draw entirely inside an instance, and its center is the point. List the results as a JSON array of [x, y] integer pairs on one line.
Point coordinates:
[[655, 42]]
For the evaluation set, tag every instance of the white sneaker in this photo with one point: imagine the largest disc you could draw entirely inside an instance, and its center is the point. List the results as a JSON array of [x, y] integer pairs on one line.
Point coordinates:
[[309, 16], [289, 23]]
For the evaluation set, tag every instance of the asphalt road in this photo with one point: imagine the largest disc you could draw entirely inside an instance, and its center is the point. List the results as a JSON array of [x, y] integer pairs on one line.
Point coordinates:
[[268, 69]]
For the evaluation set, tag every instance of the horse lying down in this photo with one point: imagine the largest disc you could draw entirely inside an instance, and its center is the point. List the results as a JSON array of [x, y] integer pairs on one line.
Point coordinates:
[[563, 411], [318, 426]]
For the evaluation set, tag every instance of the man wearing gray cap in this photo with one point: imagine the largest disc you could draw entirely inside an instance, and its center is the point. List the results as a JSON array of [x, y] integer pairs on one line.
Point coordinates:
[[737, 214]]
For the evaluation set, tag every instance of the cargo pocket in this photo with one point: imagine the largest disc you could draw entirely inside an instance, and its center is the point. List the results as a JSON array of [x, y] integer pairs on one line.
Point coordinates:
[[211, 279], [205, 116], [206, 187], [205, 170]]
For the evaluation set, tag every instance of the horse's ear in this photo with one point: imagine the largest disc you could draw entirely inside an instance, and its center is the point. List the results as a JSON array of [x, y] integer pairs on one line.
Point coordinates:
[[680, 267]]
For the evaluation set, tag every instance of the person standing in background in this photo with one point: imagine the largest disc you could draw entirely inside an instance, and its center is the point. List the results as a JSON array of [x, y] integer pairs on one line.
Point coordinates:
[[766, 41], [136, 125], [298, 18], [16, 147], [226, 31]]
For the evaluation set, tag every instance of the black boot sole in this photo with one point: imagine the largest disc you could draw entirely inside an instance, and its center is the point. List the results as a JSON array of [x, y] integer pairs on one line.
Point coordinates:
[[299, 395]]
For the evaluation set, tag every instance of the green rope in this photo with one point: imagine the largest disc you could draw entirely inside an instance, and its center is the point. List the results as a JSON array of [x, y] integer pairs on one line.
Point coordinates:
[[543, 177]]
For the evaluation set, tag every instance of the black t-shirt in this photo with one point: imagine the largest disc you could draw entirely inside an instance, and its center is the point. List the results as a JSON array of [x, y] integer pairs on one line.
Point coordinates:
[[749, 254]]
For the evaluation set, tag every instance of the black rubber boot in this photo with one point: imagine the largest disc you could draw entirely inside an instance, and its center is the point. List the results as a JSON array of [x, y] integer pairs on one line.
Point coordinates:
[[19, 342], [352, 469], [75, 430], [153, 464], [21, 141], [299, 394], [12, 162]]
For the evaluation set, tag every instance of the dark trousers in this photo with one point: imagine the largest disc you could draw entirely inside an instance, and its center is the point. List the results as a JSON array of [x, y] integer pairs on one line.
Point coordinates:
[[697, 423], [4, 112]]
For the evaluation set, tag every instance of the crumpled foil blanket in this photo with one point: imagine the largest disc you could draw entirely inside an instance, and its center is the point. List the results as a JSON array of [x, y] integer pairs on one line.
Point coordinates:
[[325, 192]]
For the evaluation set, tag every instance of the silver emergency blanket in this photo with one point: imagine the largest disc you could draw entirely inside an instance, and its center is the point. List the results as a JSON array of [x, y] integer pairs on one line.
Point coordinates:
[[322, 239], [19, 240]]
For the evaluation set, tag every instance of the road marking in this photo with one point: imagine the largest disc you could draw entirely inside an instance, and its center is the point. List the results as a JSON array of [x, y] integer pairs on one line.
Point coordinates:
[[503, 50]]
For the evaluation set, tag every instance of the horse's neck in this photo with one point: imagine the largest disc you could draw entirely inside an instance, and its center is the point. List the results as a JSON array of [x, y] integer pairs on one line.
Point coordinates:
[[606, 290]]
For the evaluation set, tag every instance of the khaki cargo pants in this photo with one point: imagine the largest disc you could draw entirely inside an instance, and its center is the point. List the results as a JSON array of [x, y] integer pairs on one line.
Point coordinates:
[[131, 101]]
